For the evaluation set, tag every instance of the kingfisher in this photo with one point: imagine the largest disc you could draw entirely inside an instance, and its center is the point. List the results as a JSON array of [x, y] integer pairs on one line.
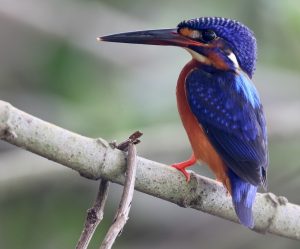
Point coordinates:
[[219, 106]]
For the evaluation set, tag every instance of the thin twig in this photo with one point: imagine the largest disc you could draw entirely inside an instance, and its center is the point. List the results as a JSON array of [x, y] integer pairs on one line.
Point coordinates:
[[125, 203], [94, 216], [134, 138]]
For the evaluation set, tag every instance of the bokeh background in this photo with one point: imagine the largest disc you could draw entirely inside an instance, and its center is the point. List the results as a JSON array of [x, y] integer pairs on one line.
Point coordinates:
[[53, 68]]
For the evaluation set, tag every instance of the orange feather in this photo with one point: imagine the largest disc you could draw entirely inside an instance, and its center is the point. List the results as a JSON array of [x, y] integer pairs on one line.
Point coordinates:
[[202, 148]]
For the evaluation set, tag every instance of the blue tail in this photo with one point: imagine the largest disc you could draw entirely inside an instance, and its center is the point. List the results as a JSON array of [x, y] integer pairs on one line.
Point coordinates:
[[243, 195]]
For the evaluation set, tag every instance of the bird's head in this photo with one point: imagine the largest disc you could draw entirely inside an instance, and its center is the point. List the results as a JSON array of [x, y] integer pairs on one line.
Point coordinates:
[[222, 43]]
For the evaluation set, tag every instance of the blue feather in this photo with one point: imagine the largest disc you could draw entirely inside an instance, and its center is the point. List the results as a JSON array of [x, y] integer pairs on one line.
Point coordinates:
[[228, 108], [245, 86], [243, 196]]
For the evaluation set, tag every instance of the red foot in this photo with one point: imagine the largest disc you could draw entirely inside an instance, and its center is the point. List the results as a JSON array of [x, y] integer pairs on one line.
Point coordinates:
[[181, 166]]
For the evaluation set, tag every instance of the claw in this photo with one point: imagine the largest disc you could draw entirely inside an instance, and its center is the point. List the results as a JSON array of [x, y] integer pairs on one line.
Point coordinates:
[[181, 166], [186, 174]]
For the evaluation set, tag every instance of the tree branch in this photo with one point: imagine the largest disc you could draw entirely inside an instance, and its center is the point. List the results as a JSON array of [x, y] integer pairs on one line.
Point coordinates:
[[94, 158], [125, 203], [94, 216]]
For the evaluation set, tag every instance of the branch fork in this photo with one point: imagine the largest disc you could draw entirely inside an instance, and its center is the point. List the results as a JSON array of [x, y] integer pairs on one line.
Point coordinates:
[[95, 214]]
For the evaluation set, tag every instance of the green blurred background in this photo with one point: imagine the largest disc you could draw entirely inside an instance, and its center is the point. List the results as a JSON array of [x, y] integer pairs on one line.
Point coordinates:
[[53, 68]]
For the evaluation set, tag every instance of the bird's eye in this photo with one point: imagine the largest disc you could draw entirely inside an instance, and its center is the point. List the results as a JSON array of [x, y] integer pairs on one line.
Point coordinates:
[[208, 35]]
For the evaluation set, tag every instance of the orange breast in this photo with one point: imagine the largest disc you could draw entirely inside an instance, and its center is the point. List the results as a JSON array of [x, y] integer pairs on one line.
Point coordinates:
[[202, 148]]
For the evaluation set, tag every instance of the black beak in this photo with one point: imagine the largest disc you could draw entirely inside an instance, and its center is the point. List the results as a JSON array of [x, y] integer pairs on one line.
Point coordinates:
[[153, 37]]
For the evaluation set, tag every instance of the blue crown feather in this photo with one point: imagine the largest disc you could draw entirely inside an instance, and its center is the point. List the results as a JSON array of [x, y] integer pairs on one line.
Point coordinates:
[[238, 37]]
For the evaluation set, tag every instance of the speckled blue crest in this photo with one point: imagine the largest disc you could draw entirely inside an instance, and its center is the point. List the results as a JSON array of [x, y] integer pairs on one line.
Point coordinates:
[[238, 37]]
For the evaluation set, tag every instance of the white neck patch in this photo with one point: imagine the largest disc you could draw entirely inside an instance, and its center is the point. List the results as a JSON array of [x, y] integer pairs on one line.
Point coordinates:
[[199, 57], [233, 58], [204, 60]]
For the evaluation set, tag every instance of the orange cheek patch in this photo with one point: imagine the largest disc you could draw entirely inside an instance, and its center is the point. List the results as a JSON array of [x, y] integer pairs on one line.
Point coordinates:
[[186, 32]]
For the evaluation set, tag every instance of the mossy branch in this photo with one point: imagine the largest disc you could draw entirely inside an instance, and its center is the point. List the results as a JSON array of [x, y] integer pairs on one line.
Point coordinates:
[[95, 158]]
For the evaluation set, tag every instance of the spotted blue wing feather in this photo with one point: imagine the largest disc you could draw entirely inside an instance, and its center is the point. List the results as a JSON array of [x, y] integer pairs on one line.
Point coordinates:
[[229, 110]]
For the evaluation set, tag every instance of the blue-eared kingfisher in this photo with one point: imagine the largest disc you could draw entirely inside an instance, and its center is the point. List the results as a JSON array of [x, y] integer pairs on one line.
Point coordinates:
[[219, 105]]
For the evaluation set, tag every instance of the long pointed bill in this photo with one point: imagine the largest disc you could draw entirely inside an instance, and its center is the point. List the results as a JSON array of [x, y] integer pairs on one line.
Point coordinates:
[[152, 37]]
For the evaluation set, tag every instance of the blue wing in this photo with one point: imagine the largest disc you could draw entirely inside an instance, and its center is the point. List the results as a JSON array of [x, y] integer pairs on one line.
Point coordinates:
[[228, 108]]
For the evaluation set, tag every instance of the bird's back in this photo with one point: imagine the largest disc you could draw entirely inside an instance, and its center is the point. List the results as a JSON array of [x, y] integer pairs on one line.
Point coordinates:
[[203, 149], [227, 110]]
